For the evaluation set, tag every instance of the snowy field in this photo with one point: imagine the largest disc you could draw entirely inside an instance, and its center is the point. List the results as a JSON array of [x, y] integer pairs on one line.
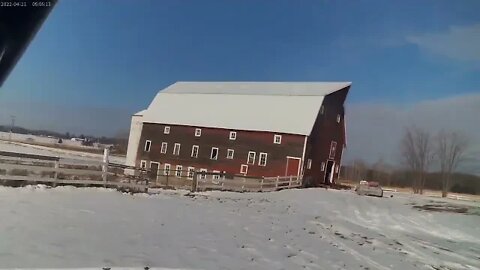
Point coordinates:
[[67, 156], [292, 229]]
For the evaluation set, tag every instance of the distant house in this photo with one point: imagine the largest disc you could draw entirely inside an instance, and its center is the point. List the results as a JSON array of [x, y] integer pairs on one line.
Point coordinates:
[[259, 129]]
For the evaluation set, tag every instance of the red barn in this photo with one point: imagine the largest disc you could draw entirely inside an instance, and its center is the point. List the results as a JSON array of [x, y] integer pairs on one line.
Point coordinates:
[[250, 128]]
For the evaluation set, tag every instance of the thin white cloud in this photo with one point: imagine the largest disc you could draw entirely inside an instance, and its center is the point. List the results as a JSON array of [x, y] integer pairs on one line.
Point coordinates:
[[375, 130], [458, 42]]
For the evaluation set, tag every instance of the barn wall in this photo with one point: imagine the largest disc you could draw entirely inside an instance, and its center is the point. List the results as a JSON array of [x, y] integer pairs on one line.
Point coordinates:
[[133, 141], [291, 145], [325, 130]]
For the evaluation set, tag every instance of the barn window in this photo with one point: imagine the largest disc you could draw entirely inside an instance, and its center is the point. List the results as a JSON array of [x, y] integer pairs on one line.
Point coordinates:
[[166, 169], [191, 172], [322, 109], [338, 118], [230, 153], [143, 164], [277, 139], [198, 132], [333, 149], [216, 175], [244, 169], [214, 153], [166, 130], [309, 163], [233, 135], [262, 159], [148, 145], [251, 157], [163, 150], [203, 176], [178, 171], [176, 149], [322, 168], [194, 151]]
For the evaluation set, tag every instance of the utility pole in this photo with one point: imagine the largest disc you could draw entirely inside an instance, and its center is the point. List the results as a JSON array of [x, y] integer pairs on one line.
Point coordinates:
[[12, 126]]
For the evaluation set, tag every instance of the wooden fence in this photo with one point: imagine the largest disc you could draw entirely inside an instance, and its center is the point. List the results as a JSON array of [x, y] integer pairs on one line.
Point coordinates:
[[19, 169], [219, 181]]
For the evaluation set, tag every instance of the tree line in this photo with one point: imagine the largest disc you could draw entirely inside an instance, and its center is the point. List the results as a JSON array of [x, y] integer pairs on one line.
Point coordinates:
[[420, 151]]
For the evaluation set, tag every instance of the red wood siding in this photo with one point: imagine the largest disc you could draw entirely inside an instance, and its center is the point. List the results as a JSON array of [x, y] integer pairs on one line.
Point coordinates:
[[291, 145], [325, 130]]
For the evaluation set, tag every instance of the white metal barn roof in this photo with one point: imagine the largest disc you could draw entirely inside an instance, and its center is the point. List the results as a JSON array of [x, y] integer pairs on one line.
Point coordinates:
[[282, 107]]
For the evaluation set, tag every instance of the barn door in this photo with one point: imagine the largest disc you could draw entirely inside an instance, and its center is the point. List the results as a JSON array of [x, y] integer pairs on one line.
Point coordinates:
[[154, 166], [293, 166], [329, 172]]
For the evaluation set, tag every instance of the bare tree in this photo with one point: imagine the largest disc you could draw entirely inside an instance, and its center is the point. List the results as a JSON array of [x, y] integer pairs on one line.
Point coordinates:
[[381, 173], [417, 152], [359, 169], [450, 150]]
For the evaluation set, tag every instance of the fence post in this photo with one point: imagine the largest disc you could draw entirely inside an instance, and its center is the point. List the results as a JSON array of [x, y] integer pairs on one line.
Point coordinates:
[[261, 185], [167, 174], [243, 185], [290, 182], [106, 152], [195, 181], [276, 182], [55, 174]]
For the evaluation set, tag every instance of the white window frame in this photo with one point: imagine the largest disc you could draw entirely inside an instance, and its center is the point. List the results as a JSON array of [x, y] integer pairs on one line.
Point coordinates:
[[211, 152], [192, 171], [198, 132], [333, 145], [279, 137], [248, 158], [203, 177], [309, 163], [233, 135], [164, 148], [193, 148], [166, 130], [175, 148], [149, 142], [215, 176], [178, 171], [143, 164], [322, 167], [260, 159], [242, 171], [165, 170], [228, 153], [339, 118]]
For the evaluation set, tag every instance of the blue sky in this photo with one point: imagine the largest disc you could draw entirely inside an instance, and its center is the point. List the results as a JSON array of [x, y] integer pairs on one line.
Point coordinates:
[[113, 56]]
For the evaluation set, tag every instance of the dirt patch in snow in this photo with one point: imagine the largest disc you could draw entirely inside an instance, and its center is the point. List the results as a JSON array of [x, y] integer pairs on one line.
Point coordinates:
[[445, 207]]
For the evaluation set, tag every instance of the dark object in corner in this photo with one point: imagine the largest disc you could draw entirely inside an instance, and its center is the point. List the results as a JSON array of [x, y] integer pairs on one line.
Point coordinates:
[[19, 22]]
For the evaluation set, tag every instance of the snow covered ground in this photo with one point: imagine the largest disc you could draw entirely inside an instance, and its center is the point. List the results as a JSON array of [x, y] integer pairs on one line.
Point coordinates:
[[291, 229], [67, 156]]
